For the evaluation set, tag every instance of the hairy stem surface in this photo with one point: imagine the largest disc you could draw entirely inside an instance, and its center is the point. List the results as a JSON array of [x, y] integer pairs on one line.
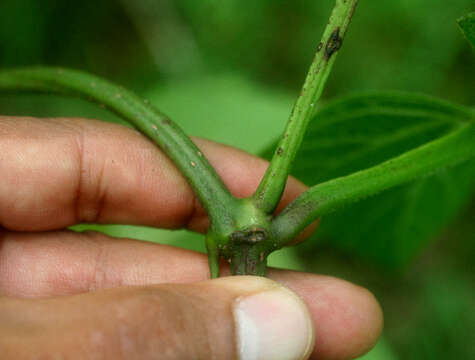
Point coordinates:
[[272, 185]]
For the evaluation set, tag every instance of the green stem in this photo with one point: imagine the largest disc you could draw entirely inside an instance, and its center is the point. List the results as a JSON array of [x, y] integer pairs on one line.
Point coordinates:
[[207, 185], [327, 197], [213, 255], [272, 185]]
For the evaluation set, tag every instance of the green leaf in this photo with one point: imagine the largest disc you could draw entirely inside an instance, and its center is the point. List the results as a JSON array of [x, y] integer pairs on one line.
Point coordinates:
[[467, 25], [362, 131]]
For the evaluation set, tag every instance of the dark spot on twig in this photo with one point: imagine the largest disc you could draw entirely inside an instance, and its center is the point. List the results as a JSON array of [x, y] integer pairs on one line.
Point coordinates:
[[166, 121], [334, 44], [250, 236], [319, 47], [280, 151]]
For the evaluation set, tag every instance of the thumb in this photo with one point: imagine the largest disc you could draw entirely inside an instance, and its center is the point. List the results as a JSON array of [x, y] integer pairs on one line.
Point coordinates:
[[228, 318]]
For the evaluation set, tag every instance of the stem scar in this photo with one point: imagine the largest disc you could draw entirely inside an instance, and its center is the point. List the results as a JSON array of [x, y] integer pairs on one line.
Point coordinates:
[[334, 44], [261, 256]]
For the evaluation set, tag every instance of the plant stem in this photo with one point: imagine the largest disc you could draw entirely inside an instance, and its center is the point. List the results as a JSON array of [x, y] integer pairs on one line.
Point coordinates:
[[207, 185], [273, 183], [213, 255], [455, 147]]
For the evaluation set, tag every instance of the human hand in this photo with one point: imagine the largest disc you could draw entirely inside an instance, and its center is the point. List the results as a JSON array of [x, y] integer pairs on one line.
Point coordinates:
[[85, 295]]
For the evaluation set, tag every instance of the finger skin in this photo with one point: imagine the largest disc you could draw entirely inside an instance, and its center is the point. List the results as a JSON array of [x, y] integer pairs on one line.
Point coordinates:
[[348, 319], [60, 172], [169, 321], [155, 322]]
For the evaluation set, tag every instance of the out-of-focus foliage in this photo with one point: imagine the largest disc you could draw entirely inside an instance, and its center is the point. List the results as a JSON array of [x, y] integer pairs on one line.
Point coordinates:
[[230, 70], [226, 107], [467, 25]]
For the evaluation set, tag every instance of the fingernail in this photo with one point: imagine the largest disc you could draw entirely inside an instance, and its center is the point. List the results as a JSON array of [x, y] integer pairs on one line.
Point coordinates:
[[273, 324]]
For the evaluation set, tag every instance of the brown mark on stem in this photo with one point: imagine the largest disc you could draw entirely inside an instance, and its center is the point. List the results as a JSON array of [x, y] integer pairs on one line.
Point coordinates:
[[334, 44], [250, 236]]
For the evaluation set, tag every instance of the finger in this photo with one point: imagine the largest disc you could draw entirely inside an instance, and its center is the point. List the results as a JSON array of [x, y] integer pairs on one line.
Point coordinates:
[[59, 172], [229, 318], [347, 318]]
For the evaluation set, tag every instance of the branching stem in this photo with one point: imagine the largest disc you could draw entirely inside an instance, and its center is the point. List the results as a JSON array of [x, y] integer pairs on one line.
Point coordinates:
[[243, 231]]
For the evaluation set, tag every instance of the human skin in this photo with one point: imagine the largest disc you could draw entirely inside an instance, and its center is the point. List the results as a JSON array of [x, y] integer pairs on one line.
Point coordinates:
[[88, 295]]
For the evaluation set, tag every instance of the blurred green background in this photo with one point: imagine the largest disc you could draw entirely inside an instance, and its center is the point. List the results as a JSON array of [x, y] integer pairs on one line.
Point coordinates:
[[231, 70]]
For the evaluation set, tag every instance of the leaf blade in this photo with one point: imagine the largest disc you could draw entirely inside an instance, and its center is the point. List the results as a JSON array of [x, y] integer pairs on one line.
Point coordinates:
[[350, 229]]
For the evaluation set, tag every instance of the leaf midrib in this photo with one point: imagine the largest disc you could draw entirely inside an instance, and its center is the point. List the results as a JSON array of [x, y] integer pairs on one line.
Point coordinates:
[[375, 143], [317, 126]]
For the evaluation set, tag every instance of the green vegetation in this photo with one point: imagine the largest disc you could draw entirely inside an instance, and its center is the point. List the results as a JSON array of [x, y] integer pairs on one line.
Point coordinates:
[[378, 241]]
